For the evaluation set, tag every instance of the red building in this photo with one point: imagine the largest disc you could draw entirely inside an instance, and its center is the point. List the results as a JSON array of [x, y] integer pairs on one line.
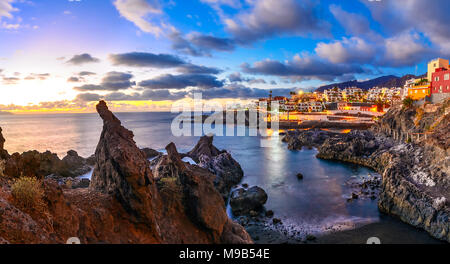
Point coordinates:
[[440, 82]]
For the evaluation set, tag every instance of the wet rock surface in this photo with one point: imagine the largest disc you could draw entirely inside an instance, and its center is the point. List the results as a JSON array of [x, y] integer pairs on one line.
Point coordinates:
[[244, 201]]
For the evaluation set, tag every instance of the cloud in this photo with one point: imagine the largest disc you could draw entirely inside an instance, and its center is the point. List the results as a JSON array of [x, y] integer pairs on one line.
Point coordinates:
[[180, 44], [348, 50], [237, 77], [138, 12], [353, 23], [427, 17], [6, 9], [143, 59], [268, 18], [88, 97], [10, 80], [40, 76], [302, 68], [73, 79], [160, 61], [82, 59], [154, 95], [212, 43], [405, 49], [196, 69], [197, 44], [86, 73], [169, 81], [113, 81]]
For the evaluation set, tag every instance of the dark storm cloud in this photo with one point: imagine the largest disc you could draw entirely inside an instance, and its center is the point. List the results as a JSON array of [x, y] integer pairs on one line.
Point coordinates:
[[82, 59], [169, 81]]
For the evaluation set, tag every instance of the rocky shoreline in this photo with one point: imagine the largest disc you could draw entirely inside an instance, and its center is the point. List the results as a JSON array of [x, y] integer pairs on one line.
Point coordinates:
[[129, 199], [415, 185]]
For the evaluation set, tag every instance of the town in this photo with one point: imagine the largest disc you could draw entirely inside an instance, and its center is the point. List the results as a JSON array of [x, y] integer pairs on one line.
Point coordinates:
[[366, 104]]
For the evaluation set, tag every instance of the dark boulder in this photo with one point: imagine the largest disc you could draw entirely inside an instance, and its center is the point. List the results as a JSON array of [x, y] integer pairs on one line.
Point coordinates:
[[74, 165], [243, 201]]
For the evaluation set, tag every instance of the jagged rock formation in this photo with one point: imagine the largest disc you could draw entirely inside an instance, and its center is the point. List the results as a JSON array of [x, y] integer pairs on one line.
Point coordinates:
[[415, 176], [122, 170], [125, 202], [227, 170]]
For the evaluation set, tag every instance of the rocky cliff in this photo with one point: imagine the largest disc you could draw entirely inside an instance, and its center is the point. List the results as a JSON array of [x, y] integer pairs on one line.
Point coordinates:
[[409, 148], [126, 202]]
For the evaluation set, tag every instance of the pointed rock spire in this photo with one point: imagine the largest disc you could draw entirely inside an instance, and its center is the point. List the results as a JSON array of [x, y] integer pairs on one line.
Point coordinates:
[[122, 170]]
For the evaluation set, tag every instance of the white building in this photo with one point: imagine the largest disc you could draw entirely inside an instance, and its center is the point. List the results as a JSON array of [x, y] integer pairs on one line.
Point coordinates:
[[310, 106], [333, 95], [384, 94], [352, 94]]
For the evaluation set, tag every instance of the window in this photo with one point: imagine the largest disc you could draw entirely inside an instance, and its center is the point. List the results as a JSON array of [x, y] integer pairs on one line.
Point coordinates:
[[436, 79], [447, 77]]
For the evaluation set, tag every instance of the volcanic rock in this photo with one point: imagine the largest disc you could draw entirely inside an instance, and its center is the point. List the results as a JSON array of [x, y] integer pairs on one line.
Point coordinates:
[[244, 201], [227, 170]]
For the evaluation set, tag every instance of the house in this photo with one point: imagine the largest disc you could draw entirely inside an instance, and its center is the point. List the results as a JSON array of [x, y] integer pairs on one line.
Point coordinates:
[[440, 85], [419, 90]]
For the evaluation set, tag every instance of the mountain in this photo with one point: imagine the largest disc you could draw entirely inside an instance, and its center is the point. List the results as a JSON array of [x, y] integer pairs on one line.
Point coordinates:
[[383, 81]]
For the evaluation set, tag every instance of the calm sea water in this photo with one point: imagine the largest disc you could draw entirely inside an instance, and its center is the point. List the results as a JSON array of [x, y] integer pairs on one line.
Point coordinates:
[[315, 204]]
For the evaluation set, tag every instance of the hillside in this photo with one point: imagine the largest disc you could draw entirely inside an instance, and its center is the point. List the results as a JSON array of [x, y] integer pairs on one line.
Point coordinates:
[[383, 81]]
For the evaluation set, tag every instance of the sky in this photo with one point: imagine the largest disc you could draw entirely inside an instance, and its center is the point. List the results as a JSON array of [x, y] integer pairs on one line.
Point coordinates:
[[145, 55]]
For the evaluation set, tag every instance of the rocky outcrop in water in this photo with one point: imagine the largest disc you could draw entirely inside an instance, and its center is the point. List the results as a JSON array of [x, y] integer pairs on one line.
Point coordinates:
[[297, 139], [220, 163], [244, 201]]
